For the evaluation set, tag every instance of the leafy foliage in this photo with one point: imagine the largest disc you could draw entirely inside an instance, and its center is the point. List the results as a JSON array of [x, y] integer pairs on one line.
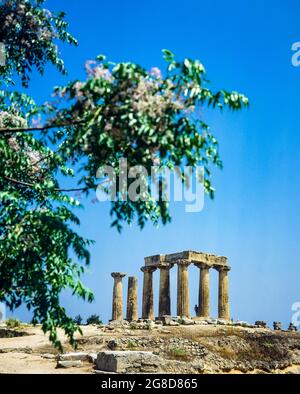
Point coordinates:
[[78, 320], [125, 111], [93, 319], [37, 222], [12, 322], [28, 32], [36, 236]]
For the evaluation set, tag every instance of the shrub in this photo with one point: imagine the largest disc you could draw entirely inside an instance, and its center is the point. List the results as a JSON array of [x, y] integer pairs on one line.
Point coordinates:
[[179, 353], [131, 344], [78, 320], [12, 322], [94, 319]]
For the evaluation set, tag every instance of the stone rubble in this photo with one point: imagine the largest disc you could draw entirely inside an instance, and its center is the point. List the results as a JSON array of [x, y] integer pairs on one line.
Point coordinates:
[[292, 327], [261, 323], [277, 326]]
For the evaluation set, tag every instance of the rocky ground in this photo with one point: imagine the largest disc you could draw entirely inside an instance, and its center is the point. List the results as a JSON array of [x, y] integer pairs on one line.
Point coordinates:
[[179, 349]]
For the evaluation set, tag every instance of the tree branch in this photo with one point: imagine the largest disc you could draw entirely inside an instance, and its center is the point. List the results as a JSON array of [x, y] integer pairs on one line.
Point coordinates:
[[41, 128], [79, 189]]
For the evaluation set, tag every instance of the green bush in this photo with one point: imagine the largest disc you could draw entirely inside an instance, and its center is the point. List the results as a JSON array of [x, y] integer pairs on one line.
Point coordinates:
[[179, 353], [131, 344], [94, 319], [12, 322], [78, 320]]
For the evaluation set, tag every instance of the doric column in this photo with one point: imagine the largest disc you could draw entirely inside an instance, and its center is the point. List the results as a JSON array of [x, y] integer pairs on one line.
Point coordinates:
[[203, 300], [117, 304], [223, 308], [147, 308], [164, 307], [183, 299], [132, 310]]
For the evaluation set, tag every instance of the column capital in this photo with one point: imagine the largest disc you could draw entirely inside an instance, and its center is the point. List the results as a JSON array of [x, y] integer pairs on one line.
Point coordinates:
[[164, 266], [224, 268], [202, 265], [184, 263], [118, 274], [148, 268]]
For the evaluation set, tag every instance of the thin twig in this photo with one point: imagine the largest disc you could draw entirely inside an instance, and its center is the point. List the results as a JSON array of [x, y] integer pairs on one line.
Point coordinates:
[[79, 189], [41, 128]]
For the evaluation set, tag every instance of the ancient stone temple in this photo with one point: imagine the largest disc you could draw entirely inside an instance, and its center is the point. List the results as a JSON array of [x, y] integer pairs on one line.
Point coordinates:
[[164, 263]]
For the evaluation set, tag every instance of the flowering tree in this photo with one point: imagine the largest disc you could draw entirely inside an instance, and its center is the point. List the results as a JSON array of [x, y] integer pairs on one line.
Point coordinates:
[[120, 111]]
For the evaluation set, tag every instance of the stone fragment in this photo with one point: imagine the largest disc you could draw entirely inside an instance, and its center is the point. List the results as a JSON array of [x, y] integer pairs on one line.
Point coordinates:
[[212, 321], [69, 364], [113, 344], [174, 323], [187, 322], [49, 356], [92, 357], [82, 356], [166, 320], [201, 322], [127, 361]]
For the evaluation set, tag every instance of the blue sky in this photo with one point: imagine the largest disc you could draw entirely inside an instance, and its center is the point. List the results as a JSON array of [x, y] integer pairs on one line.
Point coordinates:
[[254, 219]]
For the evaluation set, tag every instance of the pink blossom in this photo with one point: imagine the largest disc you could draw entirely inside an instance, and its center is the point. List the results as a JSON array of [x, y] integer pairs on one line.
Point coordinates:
[[155, 72]]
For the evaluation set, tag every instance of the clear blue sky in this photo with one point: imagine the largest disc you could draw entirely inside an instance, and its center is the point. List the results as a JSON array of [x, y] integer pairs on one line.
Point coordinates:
[[254, 220]]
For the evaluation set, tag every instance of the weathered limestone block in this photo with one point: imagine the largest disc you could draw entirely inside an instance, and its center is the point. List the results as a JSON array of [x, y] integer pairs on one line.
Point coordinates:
[[188, 255], [186, 321], [132, 304], [82, 356], [117, 304], [76, 356], [127, 361], [169, 321]]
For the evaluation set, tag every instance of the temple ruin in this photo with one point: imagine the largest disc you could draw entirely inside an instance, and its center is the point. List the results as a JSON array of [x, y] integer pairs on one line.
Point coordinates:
[[164, 263]]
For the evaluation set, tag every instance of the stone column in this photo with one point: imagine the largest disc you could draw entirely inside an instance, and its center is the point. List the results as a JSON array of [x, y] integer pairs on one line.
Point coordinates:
[[183, 299], [223, 308], [164, 307], [147, 307], [117, 304], [203, 301], [132, 310]]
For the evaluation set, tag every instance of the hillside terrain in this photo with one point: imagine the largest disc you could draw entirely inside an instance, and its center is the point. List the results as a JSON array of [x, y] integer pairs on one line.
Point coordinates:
[[178, 349]]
